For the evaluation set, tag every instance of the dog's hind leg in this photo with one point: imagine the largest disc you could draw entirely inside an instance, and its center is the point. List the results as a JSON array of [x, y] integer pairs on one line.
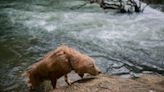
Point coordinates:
[[67, 80], [53, 82]]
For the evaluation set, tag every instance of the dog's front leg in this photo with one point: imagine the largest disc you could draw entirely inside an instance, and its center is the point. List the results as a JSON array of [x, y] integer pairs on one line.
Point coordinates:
[[67, 80], [53, 82], [81, 75]]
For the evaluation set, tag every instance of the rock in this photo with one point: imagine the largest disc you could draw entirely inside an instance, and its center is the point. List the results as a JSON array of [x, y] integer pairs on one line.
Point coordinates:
[[108, 83]]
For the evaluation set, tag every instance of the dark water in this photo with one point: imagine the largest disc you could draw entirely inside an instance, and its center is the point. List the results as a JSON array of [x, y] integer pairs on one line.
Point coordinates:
[[121, 44], [157, 4]]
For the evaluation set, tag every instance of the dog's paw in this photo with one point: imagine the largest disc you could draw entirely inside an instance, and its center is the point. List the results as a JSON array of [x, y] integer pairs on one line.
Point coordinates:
[[69, 82]]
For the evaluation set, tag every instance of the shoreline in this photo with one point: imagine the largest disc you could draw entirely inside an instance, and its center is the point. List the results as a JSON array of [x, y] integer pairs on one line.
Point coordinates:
[[112, 83]]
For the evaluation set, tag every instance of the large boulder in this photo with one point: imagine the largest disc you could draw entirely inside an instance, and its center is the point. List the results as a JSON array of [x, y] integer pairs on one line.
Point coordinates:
[[107, 83]]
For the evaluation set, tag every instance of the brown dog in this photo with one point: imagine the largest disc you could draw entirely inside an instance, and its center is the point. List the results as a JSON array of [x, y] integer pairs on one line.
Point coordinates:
[[59, 63]]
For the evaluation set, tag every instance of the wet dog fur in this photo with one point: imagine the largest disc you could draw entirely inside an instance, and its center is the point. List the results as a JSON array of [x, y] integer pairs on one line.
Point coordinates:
[[58, 63]]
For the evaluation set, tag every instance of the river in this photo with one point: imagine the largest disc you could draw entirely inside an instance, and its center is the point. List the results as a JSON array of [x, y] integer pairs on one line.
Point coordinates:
[[121, 44]]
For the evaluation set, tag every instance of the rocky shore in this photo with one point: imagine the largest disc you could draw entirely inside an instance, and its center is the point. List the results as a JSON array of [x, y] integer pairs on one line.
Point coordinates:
[[110, 83]]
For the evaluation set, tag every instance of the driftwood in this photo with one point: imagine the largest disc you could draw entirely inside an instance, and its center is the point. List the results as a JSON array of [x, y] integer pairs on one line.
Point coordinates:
[[124, 6]]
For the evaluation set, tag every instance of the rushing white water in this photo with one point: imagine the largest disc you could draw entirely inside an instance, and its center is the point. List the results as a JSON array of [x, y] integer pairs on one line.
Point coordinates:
[[128, 43]]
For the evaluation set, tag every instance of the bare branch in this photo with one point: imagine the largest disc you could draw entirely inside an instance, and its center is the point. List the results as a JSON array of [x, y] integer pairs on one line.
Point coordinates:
[[122, 6], [78, 7]]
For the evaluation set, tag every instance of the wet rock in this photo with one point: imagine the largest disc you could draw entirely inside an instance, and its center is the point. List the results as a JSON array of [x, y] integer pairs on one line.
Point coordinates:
[[152, 80], [106, 83]]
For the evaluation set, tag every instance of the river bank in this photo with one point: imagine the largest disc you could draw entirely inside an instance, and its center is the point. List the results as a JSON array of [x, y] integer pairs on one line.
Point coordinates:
[[103, 83], [108, 83]]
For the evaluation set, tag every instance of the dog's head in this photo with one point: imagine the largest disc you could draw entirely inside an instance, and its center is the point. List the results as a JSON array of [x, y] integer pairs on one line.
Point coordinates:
[[91, 67], [86, 65]]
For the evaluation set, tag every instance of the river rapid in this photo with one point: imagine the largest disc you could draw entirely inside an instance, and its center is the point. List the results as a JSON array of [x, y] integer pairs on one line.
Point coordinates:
[[121, 44]]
